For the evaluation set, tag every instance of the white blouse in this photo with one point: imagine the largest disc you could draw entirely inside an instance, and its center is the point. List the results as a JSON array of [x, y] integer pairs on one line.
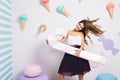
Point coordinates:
[[74, 40]]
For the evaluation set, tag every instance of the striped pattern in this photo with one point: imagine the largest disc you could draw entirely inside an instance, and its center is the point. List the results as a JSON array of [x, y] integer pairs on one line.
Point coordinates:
[[5, 40]]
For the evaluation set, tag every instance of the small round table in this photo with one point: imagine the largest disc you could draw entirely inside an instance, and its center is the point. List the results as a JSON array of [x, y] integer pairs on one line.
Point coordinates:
[[40, 77], [106, 76]]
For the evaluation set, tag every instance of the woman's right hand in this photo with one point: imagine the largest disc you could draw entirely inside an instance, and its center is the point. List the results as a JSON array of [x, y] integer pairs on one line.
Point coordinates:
[[47, 42], [77, 53]]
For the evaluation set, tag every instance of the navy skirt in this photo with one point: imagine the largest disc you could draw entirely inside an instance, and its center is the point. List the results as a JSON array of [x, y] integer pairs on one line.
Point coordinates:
[[72, 65]]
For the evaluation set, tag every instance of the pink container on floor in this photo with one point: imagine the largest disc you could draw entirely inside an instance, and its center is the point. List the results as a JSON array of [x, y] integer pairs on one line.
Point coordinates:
[[32, 70]]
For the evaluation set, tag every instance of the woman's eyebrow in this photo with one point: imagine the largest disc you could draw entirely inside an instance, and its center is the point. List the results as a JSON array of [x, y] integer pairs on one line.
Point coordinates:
[[80, 25]]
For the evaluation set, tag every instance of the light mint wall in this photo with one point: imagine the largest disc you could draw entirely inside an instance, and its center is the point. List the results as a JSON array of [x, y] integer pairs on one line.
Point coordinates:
[[31, 48], [6, 40]]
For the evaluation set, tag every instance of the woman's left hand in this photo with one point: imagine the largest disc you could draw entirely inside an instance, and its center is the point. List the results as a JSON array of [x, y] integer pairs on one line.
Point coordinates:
[[77, 53]]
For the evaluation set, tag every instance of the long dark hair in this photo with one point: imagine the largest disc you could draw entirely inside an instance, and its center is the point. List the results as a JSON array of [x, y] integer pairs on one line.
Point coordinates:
[[89, 27]]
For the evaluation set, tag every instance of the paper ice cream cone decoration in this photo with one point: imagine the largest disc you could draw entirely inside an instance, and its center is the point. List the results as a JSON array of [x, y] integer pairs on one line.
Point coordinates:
[[23, 23], [42, 28], [110, 8], [62, 10], [23, 19], [46, 4]]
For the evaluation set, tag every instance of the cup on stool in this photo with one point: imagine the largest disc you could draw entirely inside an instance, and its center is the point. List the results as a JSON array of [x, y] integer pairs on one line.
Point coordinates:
[[33, 72], [42, 76], [106, 76]]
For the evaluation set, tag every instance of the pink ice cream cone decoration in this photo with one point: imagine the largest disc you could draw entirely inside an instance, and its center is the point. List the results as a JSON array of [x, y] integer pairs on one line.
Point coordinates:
[[46, 4], [110, 8]]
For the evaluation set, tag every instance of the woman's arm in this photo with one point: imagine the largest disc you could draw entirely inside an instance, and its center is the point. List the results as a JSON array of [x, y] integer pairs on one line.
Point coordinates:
[[82, 42], [64, 38], [82, 46]]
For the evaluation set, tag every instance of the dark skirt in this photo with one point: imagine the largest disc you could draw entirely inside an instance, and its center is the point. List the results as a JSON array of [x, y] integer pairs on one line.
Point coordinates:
[[72, 65]]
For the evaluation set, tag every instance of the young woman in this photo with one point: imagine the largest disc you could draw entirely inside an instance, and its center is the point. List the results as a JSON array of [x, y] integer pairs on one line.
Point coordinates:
[[73, 65]]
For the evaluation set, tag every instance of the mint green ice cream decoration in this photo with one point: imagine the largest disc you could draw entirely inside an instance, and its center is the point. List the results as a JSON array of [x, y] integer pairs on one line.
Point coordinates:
[[60, 8], [23, 17]]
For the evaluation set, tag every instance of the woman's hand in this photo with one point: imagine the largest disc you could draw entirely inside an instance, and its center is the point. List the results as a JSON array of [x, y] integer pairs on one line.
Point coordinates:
[[62, 40], [47, 42], [77, 53]]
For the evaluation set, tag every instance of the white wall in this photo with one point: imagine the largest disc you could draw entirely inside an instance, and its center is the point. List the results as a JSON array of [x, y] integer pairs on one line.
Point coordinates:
[[31, 48]]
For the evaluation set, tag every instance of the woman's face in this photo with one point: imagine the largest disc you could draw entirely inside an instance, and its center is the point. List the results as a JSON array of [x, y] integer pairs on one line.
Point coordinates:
[[79, 26]]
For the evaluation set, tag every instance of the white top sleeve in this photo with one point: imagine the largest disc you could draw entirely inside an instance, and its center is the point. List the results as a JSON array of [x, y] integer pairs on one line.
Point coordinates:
[[74, 40]]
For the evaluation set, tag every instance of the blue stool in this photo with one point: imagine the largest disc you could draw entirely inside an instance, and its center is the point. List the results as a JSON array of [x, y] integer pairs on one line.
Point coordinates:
[[106, 76]]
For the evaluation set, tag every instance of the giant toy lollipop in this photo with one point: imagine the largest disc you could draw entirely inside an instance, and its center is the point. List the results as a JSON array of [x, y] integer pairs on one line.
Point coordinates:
[[71, 50]]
